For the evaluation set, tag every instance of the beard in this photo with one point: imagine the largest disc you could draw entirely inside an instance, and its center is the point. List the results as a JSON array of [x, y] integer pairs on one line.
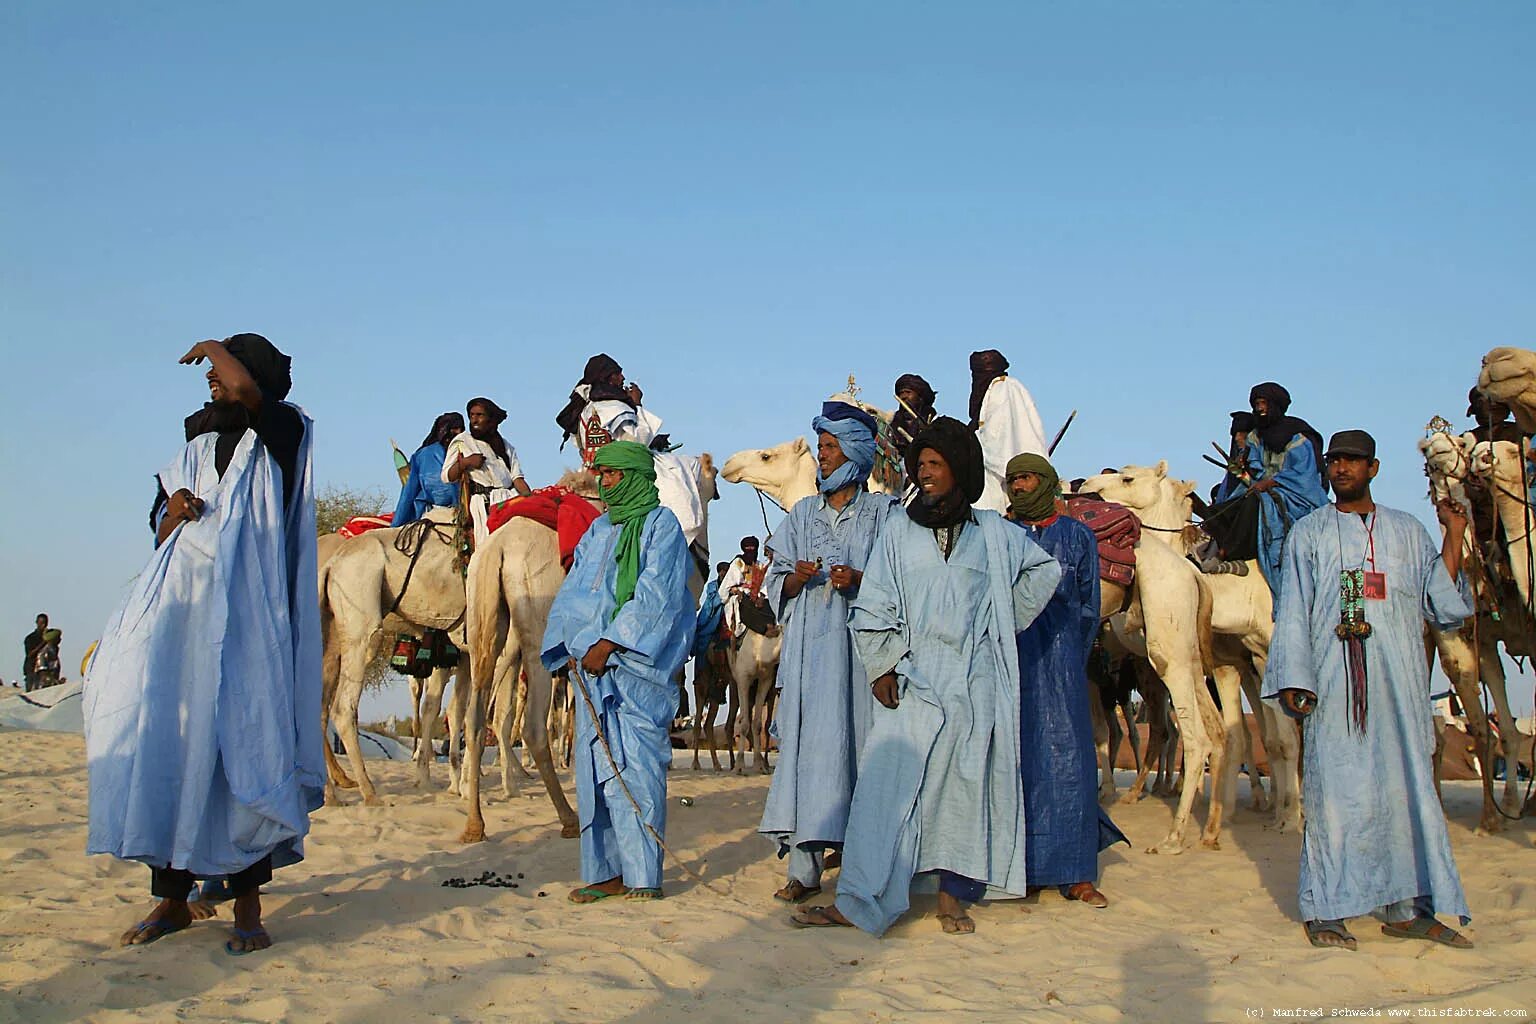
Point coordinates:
[[1350, 492]]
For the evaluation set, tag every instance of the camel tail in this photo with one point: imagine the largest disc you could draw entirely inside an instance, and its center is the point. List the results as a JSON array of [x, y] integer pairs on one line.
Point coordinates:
[[1203, 630]]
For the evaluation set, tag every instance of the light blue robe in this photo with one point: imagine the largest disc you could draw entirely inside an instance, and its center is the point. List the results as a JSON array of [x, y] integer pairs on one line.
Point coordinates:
[[939, 785], [825, 708], [424, 488], [636, 696], [1375, 833], [202, 702], [1297, 492]]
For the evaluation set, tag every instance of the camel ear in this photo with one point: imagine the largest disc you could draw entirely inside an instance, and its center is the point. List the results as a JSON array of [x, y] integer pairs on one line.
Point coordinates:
[[707, 464], [801, 446], [1161, 469]]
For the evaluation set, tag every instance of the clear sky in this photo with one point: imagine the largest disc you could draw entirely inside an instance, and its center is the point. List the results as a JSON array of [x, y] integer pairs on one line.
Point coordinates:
[[1148, 207]]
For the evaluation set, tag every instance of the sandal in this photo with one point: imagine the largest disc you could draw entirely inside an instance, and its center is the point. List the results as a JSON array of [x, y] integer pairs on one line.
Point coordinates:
[[1327, 938], [147, 931], [1086, 892], [957, 924], [797, 892], [816, 917], [643, 894], [1429, 929], [588, 894]]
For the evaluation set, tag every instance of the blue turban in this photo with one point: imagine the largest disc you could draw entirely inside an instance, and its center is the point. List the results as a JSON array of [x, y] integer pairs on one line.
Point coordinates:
[[855, 432]]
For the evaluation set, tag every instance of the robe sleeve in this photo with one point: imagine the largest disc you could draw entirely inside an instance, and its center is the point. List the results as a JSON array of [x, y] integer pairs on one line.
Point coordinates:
[[648, 621], [1300, 479], [788, 547], [877, 618], [1291, 663], [574, 606], [408, 509], [1444, 603], [514, 467], [1035, 582], [456, 447], [1088, 588]]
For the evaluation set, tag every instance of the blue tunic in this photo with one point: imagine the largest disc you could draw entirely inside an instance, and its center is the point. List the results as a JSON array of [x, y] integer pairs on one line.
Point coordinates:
[[1298, 491], [938, 786], [707, 624], [1375, 833], [1065, 824], [636, 696], [425, 488], [825, 708], [202, 701]]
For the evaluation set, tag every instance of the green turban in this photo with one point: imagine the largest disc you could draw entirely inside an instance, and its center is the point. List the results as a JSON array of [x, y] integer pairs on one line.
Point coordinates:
[[628, 505], [1039, 503]]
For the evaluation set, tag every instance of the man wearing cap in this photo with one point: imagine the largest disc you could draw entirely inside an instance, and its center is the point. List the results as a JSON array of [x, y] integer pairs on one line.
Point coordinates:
[[1347, 657], [623, 623], [1065, 826], [202, 701], [820, 551], [1005, 420], [946, 590], [1284, 458]]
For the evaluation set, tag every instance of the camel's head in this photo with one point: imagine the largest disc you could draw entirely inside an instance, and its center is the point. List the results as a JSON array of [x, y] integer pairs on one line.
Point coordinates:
[[768, 468], [580, 481], [1140, 488], [1445, 456], [1497, 461], [1509, 376]]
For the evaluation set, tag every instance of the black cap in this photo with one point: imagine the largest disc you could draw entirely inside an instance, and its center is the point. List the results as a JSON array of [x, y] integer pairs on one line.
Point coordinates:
[[1356, 443]]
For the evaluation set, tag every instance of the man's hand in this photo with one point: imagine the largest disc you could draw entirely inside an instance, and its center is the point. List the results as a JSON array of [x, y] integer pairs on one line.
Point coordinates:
[[634, 393], [1260, 486], [195, 354], [595, 661], [884, 690], [474, 461], [845, 577], [183, 506], [1452, 516], [1298, 703], [803, 574]]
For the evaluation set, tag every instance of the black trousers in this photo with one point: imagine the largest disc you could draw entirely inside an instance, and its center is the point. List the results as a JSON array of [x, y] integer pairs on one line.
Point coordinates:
[[176, 884]]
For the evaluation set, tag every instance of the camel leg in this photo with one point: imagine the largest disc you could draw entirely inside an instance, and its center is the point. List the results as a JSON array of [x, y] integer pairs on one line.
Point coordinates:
[[416, 687], [507, 712], [764, 721], [1133, 737], [1459, 660], [1186, 688], [700, 698], [1103, 742], [1154, 699], [429, 708], [1261, 800], [1234, 735], [458, 711], [354, 662], [536, 738], [1491, 669], [330, 677]]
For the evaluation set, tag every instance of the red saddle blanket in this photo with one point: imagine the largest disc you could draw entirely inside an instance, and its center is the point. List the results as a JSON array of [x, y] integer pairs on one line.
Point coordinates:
[[559, 508], [1117, 530], [362, 524]]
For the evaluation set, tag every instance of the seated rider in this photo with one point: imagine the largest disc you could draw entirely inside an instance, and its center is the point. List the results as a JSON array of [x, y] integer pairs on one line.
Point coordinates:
[[481, 459], [1285, 462], [425, 489]]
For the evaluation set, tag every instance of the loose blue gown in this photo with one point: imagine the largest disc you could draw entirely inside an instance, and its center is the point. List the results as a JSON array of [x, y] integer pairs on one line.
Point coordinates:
[[825, 709], [1297, 492], [1375, 833], [424, 487], [938, 785], [707, 623], [1065, 825], [202, 701], [636, 696]]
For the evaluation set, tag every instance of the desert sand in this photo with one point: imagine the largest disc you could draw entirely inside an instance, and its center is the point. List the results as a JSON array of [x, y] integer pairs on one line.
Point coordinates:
[[365, 931]]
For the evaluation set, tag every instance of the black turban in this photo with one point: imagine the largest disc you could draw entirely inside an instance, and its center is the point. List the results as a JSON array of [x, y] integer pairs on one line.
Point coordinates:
[[446, 419], [907, 424], [958, 445], [600, 369], [268, 367], [986, 366], [1242, 422], [1276, 429]]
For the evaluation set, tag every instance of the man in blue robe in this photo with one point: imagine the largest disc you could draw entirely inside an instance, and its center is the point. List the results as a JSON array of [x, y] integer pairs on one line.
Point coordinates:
[[947, 589], [202, 701], [1285, 463], [1348, 653], [819, 554], [1065, 826], [623, 622], [424, 487]]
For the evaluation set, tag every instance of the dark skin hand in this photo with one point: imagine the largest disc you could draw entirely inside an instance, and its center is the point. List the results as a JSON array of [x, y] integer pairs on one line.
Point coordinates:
[[845, 578], [228, 380], [804, 573], [1299, 703], [884, 690], [181, 507], [1260, 486], [595, 661]]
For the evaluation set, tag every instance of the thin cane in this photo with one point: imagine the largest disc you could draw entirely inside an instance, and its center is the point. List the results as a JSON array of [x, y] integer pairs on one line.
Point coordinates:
[[580, 676]]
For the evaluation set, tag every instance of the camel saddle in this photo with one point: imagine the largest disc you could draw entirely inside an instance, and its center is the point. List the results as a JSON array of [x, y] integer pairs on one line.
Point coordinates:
[[1116, 529], [559, 508]]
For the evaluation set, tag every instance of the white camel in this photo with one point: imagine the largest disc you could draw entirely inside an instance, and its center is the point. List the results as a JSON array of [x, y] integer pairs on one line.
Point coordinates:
[[512, 581], [754, 674], [1241, 610], [369, 587]]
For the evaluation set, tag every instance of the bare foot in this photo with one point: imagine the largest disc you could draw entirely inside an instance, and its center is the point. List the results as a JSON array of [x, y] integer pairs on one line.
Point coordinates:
[[249, 935], [819, 917], [168, 916], [202, 910]]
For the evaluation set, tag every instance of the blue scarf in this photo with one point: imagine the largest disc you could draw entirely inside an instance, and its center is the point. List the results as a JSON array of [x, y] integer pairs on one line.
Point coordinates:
[[857, 441]]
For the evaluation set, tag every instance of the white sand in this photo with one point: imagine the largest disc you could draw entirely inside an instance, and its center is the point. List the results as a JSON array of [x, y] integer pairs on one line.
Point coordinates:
[[365, 932]]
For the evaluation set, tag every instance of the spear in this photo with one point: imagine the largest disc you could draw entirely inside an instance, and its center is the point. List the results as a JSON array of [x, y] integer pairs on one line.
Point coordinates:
[[1060, 434]]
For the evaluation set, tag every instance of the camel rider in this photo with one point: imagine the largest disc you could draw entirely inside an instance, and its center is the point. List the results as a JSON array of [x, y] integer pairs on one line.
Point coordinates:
[[424, 488], [1237, 458], [490, 465], [914, 410], [603, 408], [743, 580], [1492, 417], [1224, 516], [1005, 420]]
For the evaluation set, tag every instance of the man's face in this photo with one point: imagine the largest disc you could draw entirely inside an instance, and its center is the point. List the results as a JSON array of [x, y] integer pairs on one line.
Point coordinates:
[[1351, 475], [749, 553], [608, 478], [616, 379], [934, 477], [1023, 483], [1261, 408], [449, 430], [42, 622], [909, 396], [480, 421], [829, 454], [215, 386]]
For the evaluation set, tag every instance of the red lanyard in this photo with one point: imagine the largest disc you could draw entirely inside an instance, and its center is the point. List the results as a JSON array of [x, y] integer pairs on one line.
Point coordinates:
[[1370, 539]]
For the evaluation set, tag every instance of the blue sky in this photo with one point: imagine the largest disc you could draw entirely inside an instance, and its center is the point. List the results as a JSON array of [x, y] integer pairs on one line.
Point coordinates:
[[1148, 207]]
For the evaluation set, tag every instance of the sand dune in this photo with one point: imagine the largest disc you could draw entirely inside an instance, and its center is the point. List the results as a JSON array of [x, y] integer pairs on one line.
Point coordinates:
[[366, 932]]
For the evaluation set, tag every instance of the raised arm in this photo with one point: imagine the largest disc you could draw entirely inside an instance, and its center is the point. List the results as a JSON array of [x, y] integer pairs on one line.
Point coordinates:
[[234, 379]]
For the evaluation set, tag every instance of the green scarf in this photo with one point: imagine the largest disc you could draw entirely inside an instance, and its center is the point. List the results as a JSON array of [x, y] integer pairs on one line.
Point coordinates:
[[628, 505], [1039, 503]]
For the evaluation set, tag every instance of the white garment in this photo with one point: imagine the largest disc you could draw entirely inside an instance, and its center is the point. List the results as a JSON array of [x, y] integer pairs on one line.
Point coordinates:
[[732, 585], [1009, 425], [493, 474], [677, 476]]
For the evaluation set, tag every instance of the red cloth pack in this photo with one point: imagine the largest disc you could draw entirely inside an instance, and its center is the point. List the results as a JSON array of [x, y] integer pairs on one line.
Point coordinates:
[[362, 524], [559, 508]]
